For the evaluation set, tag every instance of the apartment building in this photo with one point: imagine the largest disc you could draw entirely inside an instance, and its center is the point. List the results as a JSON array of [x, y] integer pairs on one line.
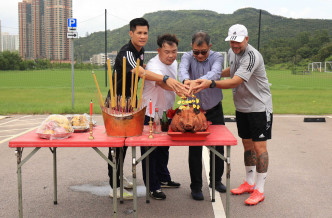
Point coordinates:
[[100, 59], [9, 42], [43, 29]]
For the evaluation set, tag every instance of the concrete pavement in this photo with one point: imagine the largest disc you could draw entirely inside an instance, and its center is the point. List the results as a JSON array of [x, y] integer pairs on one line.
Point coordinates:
[[299, 175]]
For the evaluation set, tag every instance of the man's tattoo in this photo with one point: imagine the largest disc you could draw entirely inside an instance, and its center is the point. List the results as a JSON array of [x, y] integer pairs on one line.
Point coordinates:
[[263, 163], [250, 158]]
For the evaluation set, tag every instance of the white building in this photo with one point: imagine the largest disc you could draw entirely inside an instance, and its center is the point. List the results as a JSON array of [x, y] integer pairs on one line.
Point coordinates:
[[9, 42], [99, 59]]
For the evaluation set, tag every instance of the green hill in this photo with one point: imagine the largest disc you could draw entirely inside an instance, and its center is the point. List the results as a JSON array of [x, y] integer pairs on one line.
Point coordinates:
[[275, 31]]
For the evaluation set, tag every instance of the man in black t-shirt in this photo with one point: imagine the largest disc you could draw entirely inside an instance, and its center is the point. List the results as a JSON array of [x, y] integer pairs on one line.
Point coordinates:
[[133, 50], [139, 28]]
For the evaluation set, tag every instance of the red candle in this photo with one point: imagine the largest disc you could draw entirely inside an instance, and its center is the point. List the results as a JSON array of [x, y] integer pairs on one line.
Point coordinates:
[[150, 107], [91, 108]]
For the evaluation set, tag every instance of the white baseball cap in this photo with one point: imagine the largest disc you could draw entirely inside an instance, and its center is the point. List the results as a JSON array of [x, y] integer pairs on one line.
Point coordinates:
[[237, 33]]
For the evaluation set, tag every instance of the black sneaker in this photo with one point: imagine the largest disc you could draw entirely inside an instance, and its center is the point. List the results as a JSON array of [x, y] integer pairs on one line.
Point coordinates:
[[158, 195], [169, 184], [197, 195], [219, 187]]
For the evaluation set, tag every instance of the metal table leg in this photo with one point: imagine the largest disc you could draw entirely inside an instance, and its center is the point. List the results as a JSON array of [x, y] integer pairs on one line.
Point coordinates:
[[115, 194], [20, 163], [113, 164], [121, 175], [135, 162], [228, 176], [134, 180], [55, 178], [147, 177], [213, 175], [19, 182]]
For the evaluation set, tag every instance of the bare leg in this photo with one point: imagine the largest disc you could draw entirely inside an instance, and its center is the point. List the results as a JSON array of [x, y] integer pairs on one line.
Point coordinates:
[[262, 156], [250, 160], [262, 164]]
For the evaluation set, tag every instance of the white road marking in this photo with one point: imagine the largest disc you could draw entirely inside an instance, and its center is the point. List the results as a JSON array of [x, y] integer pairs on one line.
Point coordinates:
[[14, 136], [3, 117], [5, 136], [20, 124], [218, 207], [14, 129], [299, 115], [14, 120]]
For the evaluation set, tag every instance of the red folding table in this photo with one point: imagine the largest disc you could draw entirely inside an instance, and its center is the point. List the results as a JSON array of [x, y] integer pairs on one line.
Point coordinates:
[[219, 135], [32, 140]]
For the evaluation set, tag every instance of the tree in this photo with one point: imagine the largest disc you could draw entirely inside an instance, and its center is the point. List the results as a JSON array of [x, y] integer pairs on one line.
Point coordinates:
[[324, 52], [303, 38], [10, 60], [43, 64], [304, 51]]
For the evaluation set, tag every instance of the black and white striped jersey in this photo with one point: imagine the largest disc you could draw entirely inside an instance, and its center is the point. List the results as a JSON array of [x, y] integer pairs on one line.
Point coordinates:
[[131, 54]]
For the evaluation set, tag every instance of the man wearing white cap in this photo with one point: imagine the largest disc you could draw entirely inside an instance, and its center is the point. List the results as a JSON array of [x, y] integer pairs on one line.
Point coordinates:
[[253, 103]]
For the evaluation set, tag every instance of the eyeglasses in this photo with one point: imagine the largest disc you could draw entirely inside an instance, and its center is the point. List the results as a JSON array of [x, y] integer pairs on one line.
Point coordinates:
[[204, 52]]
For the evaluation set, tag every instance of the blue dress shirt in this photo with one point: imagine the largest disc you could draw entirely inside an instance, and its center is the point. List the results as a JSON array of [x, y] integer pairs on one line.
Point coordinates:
[[210, 69]]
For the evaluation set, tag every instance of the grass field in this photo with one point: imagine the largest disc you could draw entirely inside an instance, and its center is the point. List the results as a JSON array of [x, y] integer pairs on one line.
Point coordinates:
[[49, 91]]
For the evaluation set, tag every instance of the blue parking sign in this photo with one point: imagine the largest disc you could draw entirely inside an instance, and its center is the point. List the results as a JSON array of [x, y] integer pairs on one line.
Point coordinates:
[[72, 22]]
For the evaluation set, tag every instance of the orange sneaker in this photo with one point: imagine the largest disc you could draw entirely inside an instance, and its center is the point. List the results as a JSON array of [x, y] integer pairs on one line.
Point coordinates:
[[245, 187], [255, 198]]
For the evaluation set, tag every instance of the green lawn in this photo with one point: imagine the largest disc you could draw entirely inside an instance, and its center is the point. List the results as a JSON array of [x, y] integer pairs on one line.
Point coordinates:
[[49, 91]]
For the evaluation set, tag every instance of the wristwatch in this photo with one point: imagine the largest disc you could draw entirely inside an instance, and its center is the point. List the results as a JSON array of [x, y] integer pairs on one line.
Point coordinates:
[[213, 84], [184, 80], [165, 78]]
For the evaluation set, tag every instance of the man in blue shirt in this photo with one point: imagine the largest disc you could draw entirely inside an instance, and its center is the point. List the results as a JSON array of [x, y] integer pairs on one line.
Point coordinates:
[[203, 63]]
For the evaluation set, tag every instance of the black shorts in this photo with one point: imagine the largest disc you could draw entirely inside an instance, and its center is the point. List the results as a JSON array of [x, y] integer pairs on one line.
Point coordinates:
[[256, 125]]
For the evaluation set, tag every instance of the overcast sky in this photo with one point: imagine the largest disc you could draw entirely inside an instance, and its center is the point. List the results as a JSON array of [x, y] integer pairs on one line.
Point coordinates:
[[90, 13]]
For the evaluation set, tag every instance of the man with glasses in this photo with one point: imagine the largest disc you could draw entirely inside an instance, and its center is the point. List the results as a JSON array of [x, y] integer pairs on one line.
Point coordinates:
[[203, 63]]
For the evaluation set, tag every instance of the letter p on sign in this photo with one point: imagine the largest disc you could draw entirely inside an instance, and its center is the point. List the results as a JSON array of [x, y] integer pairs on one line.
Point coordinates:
[[72, 22]]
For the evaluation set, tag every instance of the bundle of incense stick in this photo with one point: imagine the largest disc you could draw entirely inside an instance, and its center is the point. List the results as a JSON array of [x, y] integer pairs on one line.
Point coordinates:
[[119, 110], [119, 104]]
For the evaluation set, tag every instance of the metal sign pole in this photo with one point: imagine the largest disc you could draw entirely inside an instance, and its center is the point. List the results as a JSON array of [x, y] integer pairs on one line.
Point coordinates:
[[72, 73], [71, 34]]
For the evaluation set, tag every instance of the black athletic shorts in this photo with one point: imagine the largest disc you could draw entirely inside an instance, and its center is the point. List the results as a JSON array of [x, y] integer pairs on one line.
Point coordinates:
[[256, 125]]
